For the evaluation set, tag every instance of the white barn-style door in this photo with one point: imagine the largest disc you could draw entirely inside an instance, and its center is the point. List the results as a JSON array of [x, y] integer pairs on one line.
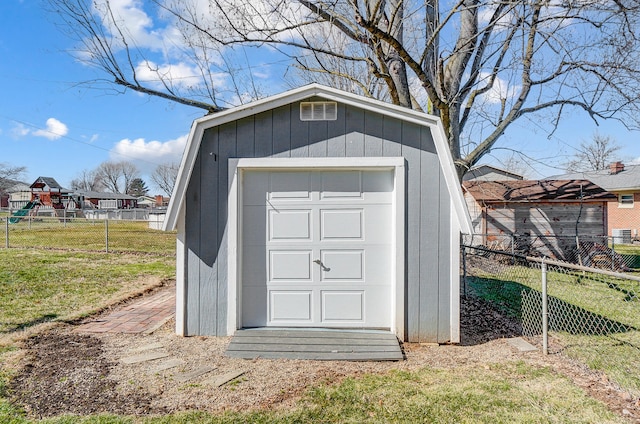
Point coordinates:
[[317, 248]]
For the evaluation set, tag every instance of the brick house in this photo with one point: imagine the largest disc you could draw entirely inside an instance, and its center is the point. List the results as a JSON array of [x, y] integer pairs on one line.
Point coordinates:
[[623, 212]]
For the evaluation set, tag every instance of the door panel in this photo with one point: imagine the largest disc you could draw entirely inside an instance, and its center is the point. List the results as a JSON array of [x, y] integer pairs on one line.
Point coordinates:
[[341, 224], [290, 306], [342, 265], [289, 225], [343, 306], [292, 265]]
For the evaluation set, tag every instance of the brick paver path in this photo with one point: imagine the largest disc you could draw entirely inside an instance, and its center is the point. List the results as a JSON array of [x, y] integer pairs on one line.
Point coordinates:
[[143, 316]]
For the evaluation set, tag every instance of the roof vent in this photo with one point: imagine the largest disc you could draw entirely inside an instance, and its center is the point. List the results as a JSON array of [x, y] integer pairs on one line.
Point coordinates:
[[318, 111]]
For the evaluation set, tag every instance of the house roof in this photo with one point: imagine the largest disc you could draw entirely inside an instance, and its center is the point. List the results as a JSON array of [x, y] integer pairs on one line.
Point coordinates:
[[13, 186], [200, 125], [536, 190], [480, 170], [50, 182], [105, 196], [627, 179]]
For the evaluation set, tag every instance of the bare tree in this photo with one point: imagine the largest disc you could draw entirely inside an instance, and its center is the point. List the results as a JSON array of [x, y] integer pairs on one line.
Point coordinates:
[[594, 155], [164, 176], [117, 176], [9, 176], [87, 180], [480, 65], [516, 164]]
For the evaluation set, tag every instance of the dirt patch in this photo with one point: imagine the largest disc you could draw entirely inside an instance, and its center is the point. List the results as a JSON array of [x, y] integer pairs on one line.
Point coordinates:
[[70, 373], [67, 372]]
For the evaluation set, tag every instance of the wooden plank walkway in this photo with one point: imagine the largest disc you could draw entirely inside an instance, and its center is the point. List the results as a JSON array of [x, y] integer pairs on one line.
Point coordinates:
[[315, 344]]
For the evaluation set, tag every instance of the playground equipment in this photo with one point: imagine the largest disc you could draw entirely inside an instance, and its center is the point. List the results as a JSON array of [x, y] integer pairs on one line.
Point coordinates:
[[17, 215]]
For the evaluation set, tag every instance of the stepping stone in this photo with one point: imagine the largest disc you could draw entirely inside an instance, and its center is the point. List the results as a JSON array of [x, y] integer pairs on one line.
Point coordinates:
[[186, 376], [171, 363], [151, 356], [521, 344], [222, 379], [151, 346]]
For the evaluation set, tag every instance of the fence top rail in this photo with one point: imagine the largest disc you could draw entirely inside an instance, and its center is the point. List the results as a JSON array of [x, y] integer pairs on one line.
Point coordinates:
[[560, 264]]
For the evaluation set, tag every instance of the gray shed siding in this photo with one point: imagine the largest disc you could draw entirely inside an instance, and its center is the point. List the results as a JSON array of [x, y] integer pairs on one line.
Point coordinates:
[[355, 133]]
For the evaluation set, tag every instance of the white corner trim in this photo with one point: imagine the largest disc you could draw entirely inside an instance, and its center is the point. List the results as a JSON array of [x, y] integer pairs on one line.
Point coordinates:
[[234, 221], [181, 281], [400, 230], [234, 311], [451, 178], [176, 201], [454, 300]]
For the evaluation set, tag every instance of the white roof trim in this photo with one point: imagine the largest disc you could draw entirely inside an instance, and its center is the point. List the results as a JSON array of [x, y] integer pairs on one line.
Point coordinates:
[[201, 124]]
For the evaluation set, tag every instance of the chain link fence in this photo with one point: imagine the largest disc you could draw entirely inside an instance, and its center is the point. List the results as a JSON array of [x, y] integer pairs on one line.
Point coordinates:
[[604, 252], [592, 315], [83, 234]]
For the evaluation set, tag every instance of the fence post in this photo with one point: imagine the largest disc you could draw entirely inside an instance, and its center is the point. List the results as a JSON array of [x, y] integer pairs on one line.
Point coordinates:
[[545, 311], [613, 253], [513, 249], [6, 233], [464, 271], [106, 235]]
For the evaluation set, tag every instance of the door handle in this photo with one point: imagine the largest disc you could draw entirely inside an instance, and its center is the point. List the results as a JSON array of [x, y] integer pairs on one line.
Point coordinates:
[[319, 262]]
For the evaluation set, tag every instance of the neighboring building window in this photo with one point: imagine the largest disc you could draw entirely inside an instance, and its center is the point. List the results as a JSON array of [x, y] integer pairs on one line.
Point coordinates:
[[625, 200]]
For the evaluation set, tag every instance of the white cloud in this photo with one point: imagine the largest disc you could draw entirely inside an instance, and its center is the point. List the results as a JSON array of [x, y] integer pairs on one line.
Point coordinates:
[[132, 20], [500, 89], [147, 155], [19, 130], [179, 75], [485, 14], [53, 131]]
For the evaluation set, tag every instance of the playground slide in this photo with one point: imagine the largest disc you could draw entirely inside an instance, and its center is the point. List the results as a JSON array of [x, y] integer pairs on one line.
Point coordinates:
[[22, 212]]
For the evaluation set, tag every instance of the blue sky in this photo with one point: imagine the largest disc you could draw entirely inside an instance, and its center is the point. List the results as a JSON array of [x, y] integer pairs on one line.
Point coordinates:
[[58, 128], [40, 93]]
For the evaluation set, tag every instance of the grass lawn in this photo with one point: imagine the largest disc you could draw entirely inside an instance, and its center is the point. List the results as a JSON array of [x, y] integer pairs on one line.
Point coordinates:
[[512, 392], [37, 286], [82, 234], [41, 285], [599, 298]]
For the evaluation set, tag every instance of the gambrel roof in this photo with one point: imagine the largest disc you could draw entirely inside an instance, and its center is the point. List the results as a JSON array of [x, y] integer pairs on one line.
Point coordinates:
[[329, 94]]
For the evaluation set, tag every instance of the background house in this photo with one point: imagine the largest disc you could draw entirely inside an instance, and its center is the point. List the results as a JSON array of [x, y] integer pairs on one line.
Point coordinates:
[[490, 173], [17, 194], [623, 211], [556, 209], [102, 200], [318, 208]]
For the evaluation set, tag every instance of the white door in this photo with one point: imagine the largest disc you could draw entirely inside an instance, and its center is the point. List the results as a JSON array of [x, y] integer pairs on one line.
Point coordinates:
[[317, 248]]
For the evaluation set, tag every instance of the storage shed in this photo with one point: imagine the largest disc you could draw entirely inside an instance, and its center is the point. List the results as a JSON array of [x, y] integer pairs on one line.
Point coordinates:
[[318, 208]]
